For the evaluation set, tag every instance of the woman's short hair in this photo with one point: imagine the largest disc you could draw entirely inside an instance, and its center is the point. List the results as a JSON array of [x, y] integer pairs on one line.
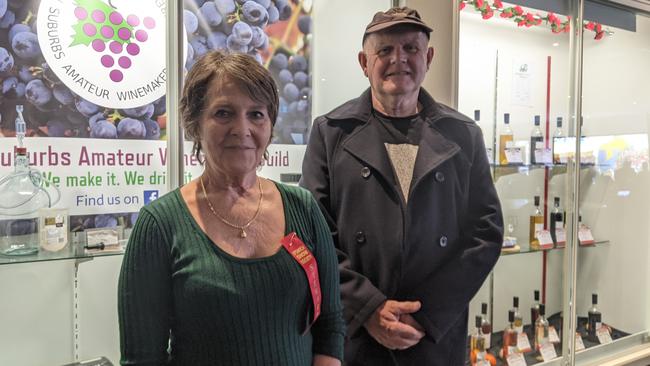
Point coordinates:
[[256, 82]]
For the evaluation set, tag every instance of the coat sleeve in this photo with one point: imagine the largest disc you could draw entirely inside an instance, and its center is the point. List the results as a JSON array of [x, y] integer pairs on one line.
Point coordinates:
[[451, 288], [329, 329], [359, 296], [144, 295]]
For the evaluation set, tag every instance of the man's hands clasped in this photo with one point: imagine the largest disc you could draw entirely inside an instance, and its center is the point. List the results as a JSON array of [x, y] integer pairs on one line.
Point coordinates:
[[393, 326]]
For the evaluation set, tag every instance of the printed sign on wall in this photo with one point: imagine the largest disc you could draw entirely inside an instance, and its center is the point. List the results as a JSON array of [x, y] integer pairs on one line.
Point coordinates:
[[89, 76], [106, 52]]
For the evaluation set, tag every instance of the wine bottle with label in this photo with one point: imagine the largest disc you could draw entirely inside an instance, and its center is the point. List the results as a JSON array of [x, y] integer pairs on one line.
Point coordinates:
[[536, 139], [536, 224], [556, 219], [594, 318], [519, 320], [534, 310], [486, 327], [505, 137], [541, 331], [509, 337]]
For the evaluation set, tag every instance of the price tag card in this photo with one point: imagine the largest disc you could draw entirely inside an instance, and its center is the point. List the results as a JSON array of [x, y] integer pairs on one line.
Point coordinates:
[[490, 154], [547, 350], [580, 345], [543, 155], [584, 235], [509, 241], [560, 237], [523, 344], [545, 239], [514, 156], [547, 156], [552, 335], [516, 359], [603, 335]]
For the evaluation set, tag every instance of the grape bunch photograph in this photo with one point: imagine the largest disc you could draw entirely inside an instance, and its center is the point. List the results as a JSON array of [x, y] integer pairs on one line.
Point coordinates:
[[277, 33]]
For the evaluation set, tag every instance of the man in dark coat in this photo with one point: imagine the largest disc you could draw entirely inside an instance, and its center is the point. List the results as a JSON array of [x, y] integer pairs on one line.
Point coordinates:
[[405, 185]]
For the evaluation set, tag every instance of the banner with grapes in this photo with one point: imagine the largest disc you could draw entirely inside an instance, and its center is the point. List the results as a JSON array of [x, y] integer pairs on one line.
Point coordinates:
[[91, 75]]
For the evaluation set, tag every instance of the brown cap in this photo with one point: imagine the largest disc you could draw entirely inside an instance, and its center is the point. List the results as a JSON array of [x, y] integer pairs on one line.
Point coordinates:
[[395, 16]]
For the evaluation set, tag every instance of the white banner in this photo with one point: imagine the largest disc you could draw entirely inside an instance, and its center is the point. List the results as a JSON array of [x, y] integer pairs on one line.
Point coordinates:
[[99, 176]]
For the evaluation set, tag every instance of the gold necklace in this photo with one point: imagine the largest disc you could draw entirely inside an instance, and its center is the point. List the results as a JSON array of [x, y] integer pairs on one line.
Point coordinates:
[[241, 228]]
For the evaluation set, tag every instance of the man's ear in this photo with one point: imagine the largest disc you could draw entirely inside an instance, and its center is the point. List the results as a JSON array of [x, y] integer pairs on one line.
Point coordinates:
[[363, 62], [430, 53]]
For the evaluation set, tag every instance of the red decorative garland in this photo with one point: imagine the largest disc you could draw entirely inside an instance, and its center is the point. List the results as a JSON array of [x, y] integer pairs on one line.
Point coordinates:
[[528, 19]]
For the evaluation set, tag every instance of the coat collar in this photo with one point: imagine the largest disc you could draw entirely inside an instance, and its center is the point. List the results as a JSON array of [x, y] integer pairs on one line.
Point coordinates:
[[365, 142], [361, 108]]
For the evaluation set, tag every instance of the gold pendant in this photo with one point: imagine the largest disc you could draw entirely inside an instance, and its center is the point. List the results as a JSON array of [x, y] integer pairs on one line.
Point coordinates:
[[242, 234]]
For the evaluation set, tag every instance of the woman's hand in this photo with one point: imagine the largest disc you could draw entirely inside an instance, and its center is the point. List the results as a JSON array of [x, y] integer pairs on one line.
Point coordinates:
[[322, 360]]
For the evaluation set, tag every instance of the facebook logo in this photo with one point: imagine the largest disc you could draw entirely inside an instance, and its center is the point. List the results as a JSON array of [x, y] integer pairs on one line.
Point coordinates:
[[150, 196]]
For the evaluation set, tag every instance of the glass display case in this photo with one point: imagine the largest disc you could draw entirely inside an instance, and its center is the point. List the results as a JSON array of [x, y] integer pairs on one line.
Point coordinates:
[[574, 209]]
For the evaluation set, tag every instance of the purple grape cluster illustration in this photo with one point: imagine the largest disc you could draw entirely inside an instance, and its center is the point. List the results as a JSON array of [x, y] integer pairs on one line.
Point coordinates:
[[115, 37], [51, 108]]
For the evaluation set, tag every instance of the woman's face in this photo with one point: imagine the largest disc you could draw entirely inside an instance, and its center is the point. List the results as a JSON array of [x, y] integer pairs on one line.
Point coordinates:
[[235, 130]]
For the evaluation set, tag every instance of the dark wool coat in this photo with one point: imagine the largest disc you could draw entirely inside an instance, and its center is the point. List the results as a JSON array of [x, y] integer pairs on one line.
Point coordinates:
[[438, 248]]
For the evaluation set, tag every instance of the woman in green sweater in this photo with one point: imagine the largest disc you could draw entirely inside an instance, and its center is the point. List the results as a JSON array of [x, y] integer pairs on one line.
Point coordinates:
[[216, 272]]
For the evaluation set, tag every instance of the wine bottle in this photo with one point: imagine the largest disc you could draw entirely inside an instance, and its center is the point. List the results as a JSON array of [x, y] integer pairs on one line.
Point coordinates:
[[535, 136], [536, 224], [505, 137]]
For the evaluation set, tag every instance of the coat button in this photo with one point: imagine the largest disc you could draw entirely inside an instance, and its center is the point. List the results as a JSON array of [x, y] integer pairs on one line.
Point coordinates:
[[440, 177], [360, 237], [443, 241], [365, 172]]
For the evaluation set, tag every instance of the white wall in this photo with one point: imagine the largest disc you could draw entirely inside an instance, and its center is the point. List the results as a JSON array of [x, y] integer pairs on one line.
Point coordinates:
[[440, 79], [616, 100], [36, 314], [338, 30]]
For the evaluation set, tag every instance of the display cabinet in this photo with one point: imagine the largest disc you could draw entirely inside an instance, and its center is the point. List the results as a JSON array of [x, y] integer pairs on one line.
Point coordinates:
[[575, 209]]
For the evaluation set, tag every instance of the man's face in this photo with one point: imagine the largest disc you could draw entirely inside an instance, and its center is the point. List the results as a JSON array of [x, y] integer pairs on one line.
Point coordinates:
[[396, 62]]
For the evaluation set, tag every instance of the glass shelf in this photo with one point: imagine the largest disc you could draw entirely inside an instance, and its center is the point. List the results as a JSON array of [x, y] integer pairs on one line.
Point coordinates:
[[74, 251], [542, 165], [556, 321], [528, 250], [501, 170]]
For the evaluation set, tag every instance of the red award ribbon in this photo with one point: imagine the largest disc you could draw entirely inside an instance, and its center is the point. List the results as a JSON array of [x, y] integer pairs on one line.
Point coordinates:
[[307, 261]]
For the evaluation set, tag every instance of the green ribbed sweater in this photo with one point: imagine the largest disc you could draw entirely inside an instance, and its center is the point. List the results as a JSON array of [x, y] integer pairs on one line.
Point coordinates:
[[177, 289]]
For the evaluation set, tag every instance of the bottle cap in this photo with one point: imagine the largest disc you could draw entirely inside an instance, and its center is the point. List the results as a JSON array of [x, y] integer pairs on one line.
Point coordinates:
[[506, 118], [594, 299], [515, 301], [484, 308], [542, 309], [536, 199], [537, 120], [556, 200], [511, 316], [536, 295], [478, 321], [559, 121], [477, 115]]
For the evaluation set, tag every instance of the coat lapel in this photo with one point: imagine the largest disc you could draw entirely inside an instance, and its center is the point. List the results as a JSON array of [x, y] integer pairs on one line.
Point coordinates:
[[366, 146], [434, 150]]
